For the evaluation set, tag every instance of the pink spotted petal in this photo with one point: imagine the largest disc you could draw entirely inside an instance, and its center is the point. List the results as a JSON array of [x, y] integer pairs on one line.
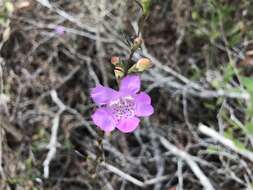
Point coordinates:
[[128, 125], [102, 95], [143, 98], [130, 84], [103, 119], [143, 110]]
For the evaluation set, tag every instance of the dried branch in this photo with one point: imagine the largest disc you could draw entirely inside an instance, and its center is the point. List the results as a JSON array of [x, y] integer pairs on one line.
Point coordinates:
[[123, 175], [188, 158], [53, 140], [226, 142], [132, 179], [8, 127]]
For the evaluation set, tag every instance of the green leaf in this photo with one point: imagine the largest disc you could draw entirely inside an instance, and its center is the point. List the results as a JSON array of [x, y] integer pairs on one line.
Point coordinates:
[[234, 39], [238, 144], [229, 72], [248, 83], [249, 128], [9, 6], [213, 149], [229, 135], [146, 4]]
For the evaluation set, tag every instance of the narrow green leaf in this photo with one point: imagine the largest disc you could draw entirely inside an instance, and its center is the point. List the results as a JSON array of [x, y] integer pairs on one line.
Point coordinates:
[[248, 83], [249, 128]]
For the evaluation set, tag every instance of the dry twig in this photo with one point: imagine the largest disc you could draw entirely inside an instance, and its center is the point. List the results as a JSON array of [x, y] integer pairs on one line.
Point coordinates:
[[53, 140], [132, 179], [226, 142], [193, 165]]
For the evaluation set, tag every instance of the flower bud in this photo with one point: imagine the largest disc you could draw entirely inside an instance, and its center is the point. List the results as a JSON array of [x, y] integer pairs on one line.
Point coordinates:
[[143, 64], [115, 60], [118, 72], [60, 30], [137, 43]]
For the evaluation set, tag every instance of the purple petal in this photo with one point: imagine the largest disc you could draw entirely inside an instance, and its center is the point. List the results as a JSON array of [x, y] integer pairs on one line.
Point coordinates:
[[143, 110], [143, 98], [130, 84], [128, 125], [60, 30], [103, 119], [143, 105], [102, 95]]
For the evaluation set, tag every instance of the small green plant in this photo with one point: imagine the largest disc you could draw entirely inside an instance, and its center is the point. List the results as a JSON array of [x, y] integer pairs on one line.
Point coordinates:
[[5, 11], [214, 20], [248, 83], [237, 130]]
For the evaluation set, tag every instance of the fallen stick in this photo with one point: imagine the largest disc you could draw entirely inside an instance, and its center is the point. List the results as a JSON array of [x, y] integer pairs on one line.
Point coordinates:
[[189, 160], [53, 139], [226, 142]]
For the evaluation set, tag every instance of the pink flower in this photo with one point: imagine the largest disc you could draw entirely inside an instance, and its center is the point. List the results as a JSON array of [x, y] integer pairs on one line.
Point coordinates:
[[121, 109], [59, 30]]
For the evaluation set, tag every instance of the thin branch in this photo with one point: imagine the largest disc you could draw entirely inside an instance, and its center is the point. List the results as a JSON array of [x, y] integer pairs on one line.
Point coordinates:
[[10, 128], [188, 158], [133, 180], [203, 93], [226, 142], [65, 15], [3, 176], [53, 140], [123, 175]]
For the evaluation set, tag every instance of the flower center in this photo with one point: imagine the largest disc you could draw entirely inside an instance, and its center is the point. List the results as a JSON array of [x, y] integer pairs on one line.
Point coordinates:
[[123, 108]]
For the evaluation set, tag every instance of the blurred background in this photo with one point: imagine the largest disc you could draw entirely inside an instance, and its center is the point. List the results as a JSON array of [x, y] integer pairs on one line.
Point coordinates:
[[52, 52]]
